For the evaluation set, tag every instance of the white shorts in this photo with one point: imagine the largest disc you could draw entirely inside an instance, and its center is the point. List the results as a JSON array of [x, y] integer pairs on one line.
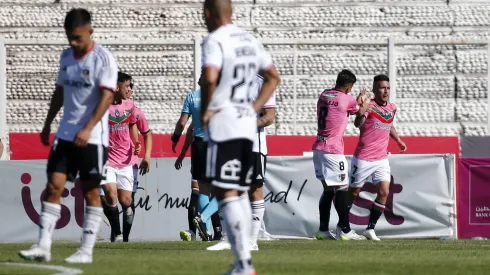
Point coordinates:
[[121, 176], [379, 170], [332, 168]]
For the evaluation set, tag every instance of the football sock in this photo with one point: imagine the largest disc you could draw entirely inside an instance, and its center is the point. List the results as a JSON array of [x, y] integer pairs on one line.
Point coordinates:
[[133, 205], [258, 209], [376, 211], [50, 214], [236, 222], [324, 207], [112, 214], [215, 220], [91, 224], [203, 203], [128, 217], [210, 210], [341, 205], [192, 210]]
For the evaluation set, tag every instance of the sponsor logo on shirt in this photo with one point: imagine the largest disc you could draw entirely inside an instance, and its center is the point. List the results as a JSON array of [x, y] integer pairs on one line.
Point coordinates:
[[382, 126]]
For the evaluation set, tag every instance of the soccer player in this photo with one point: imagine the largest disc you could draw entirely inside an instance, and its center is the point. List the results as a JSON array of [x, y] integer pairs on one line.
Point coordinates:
[[256, 193], [85, 87], [200, 196], [144, 166], [118, 185], [231, 59], [333, 109], [370, 157]]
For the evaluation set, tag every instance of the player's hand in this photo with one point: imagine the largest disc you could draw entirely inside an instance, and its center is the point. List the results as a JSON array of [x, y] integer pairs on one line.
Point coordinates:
[[205, 118], [178, 162], [402, 146], [174, 146], [144, 166], [81, 140], [45, 135], [137, 148], [362, 97]]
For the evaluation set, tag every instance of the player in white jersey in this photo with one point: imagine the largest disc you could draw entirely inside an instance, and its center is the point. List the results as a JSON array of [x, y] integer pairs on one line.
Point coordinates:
[[231, 59], [85, 87], [256, 193]]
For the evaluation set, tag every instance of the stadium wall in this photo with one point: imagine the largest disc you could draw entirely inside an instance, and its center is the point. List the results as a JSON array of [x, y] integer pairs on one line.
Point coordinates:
[[27, 146]]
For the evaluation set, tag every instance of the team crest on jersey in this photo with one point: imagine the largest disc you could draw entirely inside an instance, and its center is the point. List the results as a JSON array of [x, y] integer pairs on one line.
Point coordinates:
[[342, 177], [137, 117], [85, 73], [117, 113]]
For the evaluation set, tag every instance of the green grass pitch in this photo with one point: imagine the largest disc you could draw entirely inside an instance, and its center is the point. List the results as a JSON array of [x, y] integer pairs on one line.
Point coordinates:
[[283, 257]]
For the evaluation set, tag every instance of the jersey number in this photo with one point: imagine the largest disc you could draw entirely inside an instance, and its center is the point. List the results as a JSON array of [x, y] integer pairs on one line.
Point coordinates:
[[322, 117], [243, 73]]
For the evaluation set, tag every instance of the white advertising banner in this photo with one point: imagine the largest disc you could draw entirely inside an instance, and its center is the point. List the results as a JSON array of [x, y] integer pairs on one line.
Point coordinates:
[[421, 203]]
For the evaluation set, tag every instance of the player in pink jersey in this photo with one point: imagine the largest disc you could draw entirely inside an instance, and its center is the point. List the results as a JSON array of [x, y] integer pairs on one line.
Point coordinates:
[[370, 157], [119, 179], [144, 166], [333, 109]]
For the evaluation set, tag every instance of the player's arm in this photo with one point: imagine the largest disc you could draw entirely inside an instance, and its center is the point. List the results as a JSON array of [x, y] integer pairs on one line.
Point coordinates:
[[271, 79], [54, 107], [267, 118], [133, 133], [397, 139], [189, 138], [148, 140], [212, 62], [179, 128]]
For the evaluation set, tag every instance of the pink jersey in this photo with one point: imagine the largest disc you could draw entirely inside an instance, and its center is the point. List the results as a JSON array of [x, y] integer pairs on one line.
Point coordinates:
[[333, 110], [120, 117], [143, 128], [375, 132]]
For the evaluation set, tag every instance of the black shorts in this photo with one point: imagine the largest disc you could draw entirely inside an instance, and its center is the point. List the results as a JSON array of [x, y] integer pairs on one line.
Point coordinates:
[[67, 158], [229, 164], [198, 158], [259, 164]]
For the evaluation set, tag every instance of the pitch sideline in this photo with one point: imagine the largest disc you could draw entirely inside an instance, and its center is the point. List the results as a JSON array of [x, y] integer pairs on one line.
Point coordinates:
[[62, 270]]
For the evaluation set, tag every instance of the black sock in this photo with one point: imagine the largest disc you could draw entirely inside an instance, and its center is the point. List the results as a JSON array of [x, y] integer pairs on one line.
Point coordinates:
[[192, 211], [376, 211], [216, 225], [127, 224], [112, 214], [133, 206], [324, 207], [342, 207]]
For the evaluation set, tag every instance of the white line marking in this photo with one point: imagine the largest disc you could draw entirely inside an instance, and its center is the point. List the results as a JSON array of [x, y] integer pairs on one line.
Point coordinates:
[[63, 270]]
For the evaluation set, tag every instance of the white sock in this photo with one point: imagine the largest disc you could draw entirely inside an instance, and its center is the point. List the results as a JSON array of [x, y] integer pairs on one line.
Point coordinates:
[[236, 225], [258, 209], [247, 213], [50, 214], [91, 223]]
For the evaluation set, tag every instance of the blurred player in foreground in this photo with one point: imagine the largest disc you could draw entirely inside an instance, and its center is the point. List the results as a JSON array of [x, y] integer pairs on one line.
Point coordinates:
[[370, 157], [333, 109], [256, 193], [231, 60], [85, 86], [144, 166], [200, 196], [118, 185]]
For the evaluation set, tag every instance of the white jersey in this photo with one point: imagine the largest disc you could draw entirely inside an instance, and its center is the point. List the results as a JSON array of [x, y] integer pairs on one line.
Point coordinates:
[[260, 143], [81, 79], [239, 56]]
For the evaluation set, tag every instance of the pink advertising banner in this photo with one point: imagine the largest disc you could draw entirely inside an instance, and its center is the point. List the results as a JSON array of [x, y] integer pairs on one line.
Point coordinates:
[[474, 198]]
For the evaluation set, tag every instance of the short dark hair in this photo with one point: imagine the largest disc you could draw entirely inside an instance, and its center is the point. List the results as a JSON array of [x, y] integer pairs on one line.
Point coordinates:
[[77, 18], [123, 77], [344, 78], [381, 77]]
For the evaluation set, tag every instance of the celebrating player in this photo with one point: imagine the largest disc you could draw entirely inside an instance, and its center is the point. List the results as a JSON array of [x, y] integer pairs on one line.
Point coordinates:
[[370, 157], [144, 166], [119, 182], [256, 194], [200, 198], [333, 109], [231, 59], [85, 87]]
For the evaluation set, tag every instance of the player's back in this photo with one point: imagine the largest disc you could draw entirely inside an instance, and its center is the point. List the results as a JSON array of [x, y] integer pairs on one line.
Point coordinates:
[[239, 56], [333, 109]]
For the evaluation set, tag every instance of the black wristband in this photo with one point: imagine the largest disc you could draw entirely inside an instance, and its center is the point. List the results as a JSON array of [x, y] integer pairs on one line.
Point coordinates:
[[175, 138]]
